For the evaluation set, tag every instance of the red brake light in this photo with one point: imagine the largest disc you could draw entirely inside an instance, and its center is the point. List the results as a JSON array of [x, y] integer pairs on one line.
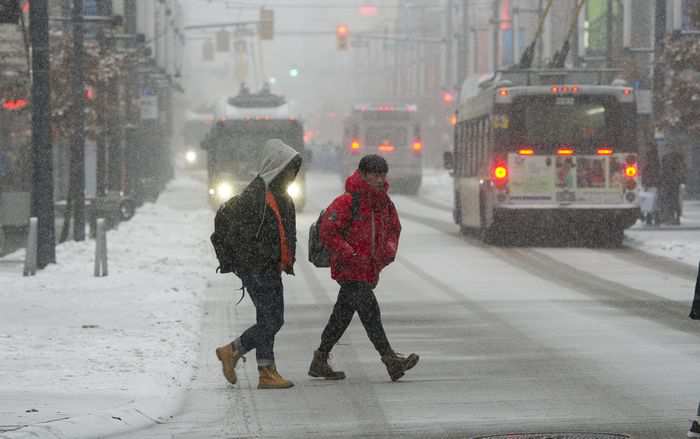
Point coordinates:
[[417, 146], [526, 151], [503, 92], [355, 146], [565, 151], [387, 147], [605, 151], [631, 171], [500, 174]]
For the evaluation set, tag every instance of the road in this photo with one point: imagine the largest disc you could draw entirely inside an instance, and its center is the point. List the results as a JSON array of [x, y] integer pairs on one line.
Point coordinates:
[[511, 339]]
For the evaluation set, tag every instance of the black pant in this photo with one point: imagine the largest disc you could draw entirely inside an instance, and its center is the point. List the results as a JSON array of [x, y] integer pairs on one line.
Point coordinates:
[[266, 292], [695, 308], [355, 296]]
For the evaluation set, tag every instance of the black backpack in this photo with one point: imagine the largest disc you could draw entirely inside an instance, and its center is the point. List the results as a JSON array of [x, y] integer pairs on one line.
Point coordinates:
[[319, 255], [221, 238]]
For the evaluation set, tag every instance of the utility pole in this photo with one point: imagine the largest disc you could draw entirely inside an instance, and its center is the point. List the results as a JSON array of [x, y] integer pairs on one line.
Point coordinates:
[[609, 34], [496, 34], [76, 193], [104, 8], [659, 73], [42, 151], [449, 38], [463, 48]]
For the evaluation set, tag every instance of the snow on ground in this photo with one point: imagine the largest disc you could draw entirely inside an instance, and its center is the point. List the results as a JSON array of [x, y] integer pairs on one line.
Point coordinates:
[[79, 342], [73, 343]]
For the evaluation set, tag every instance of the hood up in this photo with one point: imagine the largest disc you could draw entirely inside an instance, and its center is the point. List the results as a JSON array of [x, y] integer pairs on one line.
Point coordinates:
[[276, 155], [355, 183]]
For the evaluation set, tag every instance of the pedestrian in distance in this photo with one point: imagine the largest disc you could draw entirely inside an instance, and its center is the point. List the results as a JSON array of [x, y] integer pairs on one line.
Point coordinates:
[[361, 229], [265, 237], [673, 172]]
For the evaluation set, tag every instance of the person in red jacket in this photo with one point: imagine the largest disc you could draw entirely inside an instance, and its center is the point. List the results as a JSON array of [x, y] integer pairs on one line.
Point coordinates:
[[362, 240]]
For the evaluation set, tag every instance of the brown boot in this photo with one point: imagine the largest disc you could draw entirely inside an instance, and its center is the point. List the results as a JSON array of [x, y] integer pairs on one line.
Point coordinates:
[[396, 364], [229, 357], [271, 379], [321, 369]]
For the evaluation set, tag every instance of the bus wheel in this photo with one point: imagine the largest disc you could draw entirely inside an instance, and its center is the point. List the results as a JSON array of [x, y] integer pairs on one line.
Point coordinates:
[[612, 236]]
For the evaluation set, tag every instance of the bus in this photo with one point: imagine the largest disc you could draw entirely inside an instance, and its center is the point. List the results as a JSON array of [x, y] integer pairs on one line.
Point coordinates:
[[196, 126], [392, 131], [244, 124], [545, 150]]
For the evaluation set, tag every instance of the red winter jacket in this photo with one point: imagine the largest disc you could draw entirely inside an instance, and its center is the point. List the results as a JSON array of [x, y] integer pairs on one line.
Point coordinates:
[[359, 250]]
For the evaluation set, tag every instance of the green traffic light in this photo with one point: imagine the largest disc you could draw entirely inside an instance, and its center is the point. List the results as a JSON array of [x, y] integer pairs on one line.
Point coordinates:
[[294, 72]]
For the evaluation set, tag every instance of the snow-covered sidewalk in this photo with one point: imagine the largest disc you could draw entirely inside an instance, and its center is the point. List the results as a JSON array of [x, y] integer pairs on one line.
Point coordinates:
[[85, 356]]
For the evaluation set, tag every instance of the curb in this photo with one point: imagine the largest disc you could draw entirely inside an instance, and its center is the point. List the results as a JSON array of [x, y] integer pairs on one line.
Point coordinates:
[[121, 420]]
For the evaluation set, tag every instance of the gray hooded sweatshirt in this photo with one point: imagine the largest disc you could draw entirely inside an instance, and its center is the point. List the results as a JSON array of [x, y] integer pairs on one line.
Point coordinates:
[[275, 156]]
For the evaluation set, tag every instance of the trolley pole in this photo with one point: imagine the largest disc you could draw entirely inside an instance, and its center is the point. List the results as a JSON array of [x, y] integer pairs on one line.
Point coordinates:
[[42, 151]]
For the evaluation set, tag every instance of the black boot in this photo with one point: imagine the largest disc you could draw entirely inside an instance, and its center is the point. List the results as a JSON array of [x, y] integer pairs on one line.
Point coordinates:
[[396, 364], [321, 369]]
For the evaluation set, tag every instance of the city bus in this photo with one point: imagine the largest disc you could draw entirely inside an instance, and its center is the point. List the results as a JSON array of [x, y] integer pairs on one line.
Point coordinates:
[[392, 131], [539, 151], [233, 145]]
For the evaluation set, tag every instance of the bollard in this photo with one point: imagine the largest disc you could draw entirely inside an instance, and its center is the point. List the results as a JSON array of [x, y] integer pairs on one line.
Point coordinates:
[[31, 251], [101, 249]]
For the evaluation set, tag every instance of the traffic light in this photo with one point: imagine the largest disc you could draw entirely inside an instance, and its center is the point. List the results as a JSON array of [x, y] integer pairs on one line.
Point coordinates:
[[341, 36], [266, 26], [14, 104], [448, 97], [9, 11]]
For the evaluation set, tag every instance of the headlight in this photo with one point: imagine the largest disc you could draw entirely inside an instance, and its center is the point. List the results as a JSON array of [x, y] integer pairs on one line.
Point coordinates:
[[191, 156], [224, 191], [294, 190]]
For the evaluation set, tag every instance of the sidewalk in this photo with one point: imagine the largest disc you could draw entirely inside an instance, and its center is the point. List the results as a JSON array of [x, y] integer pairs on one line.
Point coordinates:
[[86, 357]]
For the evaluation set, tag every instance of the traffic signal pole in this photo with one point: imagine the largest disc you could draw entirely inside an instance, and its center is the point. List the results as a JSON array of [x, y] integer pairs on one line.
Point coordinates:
[[42, 151]]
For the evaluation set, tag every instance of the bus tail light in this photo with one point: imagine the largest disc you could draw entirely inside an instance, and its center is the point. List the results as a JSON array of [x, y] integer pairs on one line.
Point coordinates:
[[526, 151], [387, 147], [604, 151], [499, 174], [355, 146], [417, 146], [565, 151], [631, 170]]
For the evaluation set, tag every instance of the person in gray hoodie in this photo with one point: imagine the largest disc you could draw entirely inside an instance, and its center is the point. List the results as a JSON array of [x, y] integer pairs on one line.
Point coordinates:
[[265, 237]]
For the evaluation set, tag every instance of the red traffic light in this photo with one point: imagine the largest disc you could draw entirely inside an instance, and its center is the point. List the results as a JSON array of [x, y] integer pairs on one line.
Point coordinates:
[[342, 30], [447, 97], [14, 104]]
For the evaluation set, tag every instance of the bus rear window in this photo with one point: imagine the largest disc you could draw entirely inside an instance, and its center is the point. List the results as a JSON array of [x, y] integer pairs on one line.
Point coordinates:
[[394, 135], [565, 120]]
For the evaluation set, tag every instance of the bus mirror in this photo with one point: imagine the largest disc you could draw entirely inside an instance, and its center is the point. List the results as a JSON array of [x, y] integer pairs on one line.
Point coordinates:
[[448, 160]]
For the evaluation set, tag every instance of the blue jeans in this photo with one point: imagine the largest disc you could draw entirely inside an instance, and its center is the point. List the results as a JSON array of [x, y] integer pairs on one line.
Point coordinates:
[[267, 293]]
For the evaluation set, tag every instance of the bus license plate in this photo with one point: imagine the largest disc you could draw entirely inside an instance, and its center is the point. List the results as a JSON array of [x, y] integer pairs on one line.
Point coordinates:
[[565, 101]]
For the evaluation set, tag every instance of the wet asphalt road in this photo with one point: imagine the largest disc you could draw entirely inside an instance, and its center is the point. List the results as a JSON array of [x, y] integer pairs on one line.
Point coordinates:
[[513, 339]]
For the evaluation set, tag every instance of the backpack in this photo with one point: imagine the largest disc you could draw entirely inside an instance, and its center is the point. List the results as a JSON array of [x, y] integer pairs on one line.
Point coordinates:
[[319, 255], [221, 238]]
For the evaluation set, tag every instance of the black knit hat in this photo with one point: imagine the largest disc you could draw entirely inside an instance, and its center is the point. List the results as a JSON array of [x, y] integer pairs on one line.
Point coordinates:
[[374, 164]]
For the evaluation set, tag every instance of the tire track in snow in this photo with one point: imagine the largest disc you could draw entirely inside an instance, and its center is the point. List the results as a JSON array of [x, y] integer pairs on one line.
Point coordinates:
[[631, 301]]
